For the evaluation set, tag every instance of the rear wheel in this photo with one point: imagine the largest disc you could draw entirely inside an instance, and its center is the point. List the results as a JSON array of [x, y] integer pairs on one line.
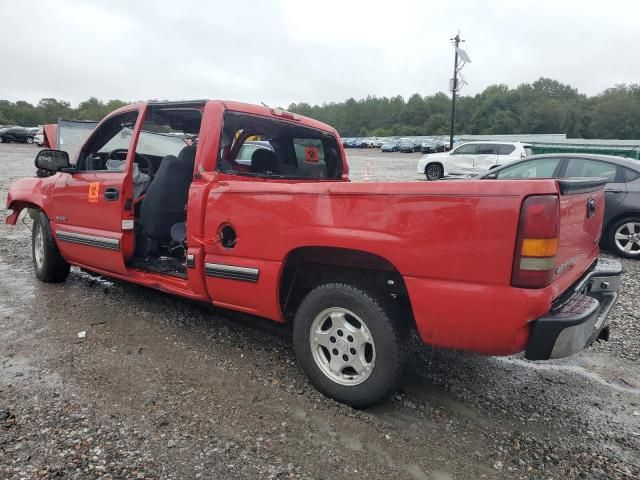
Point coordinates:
[[624, 237], [349, 343], [47, 261], [434, 171]]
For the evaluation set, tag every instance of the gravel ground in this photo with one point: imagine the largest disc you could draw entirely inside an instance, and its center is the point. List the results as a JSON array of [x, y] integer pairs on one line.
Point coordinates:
[[166, 388]]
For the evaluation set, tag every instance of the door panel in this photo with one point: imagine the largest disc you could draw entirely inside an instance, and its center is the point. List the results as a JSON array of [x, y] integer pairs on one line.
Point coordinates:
[[615, 190], [485, 158], [88, 227], [614, 194], [460, 160], [483, 163], [88, 211]]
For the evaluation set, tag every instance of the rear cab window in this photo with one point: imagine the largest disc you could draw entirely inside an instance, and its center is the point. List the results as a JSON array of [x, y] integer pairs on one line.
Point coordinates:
[[259, 146]]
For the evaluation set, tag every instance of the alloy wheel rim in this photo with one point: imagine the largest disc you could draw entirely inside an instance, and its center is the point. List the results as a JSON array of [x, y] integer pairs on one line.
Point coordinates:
[[627, 238], [38, 250], [342, 346], [433, 172]]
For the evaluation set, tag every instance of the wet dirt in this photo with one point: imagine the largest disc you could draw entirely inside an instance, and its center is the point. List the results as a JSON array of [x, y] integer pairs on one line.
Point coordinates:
[[161, 387]]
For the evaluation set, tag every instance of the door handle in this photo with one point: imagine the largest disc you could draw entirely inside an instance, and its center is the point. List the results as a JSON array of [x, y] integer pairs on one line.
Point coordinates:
[[613, 190], [111, 194]]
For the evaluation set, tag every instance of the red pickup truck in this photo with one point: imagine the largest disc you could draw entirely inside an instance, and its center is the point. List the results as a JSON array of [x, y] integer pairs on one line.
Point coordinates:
[[250, 208]]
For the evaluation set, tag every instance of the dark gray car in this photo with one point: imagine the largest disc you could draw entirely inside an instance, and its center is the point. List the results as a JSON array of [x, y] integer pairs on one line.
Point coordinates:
[[621, 229]]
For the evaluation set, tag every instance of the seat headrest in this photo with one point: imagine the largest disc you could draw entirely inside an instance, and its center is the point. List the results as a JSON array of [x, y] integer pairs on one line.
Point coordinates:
[[264, 161], [188, 154]]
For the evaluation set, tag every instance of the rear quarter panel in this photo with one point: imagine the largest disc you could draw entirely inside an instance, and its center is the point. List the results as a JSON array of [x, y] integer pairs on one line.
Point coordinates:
[[452, 241]]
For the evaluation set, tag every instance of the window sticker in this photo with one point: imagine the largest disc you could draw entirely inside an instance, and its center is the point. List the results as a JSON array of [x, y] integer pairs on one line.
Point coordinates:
[[94, 192], [311, 155]]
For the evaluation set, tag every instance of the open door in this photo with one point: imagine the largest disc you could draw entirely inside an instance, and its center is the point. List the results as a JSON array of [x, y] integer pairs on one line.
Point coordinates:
[[92, 213]]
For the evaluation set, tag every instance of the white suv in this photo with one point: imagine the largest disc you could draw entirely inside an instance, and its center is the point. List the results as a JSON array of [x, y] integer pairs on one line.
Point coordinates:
[[471, 158]]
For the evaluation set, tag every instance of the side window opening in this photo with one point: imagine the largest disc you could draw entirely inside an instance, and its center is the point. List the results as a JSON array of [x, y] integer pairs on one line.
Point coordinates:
[[630, 175], [486, 149], [110, 141], [544, 168], [468, 149], [264, 147], [506, 149], [581, 167]]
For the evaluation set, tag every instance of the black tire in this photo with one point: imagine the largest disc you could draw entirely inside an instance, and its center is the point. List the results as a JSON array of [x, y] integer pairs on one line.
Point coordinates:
[[434, 171], [29, 140], [47, 261], [618, 246], [383, 324]]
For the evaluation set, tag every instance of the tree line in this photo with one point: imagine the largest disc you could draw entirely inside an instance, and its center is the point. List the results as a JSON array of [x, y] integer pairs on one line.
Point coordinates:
[[49, 109], [544, 106]]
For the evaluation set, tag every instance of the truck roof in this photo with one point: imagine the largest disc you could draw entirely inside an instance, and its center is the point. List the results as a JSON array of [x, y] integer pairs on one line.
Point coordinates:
[[250, 108]]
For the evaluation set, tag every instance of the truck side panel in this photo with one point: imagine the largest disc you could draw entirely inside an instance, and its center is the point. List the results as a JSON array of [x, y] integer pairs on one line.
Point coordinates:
[[449, 246]]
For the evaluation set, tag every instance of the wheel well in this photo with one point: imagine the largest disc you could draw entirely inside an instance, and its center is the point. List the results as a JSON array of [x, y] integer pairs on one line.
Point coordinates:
[[433, 163], [307, 267], [17, 206], [616, 219]]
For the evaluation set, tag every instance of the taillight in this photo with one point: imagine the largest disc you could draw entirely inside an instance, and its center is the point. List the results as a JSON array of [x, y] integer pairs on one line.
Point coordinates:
[[537, 244]]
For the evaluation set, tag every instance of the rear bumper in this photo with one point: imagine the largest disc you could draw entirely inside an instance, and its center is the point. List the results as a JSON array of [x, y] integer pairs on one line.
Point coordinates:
[[581, 318]]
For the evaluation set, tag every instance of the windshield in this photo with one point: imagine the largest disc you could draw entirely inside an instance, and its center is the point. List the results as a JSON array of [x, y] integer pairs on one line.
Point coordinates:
[[150, 143]]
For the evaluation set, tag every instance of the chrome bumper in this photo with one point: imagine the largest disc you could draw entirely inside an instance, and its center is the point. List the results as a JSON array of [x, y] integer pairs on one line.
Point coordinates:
[[581, 318]]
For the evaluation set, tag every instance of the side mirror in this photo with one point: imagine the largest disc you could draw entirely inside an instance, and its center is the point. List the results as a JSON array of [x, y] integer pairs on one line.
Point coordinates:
[[491, 176], [52, 160]]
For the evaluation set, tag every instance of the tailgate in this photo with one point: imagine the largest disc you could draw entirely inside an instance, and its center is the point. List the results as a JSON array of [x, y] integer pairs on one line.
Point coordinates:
[[581, 217]]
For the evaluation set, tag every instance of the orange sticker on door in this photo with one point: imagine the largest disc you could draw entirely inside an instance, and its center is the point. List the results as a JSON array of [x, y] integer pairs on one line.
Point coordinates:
[[311, 155], [94, 192]]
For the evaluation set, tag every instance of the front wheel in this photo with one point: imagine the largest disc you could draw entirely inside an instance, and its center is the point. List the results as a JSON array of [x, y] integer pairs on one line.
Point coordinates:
[[349, 342], [47, 261], [624, 237], [434, 171], [29, 140]]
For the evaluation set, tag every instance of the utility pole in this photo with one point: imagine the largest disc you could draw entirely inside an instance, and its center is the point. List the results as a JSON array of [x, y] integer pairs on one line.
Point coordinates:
[[454, 87]]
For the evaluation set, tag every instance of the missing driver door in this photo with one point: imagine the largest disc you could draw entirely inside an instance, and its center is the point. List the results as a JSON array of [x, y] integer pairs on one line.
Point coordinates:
[[92, 218]]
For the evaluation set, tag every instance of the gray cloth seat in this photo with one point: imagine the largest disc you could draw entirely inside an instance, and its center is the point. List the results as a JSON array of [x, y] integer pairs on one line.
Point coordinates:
[[165, 201], [264, 161]]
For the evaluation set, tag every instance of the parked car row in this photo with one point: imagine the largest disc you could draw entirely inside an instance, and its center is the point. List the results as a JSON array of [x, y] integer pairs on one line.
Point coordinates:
[[15, 134], [362, 142], [395, 144]]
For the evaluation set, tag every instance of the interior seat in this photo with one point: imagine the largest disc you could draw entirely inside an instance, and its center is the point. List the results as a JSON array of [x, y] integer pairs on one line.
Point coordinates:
[[264, 161], [165, 200]]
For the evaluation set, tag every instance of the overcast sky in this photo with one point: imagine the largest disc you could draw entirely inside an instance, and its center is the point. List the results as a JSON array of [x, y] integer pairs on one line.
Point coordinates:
[[280, 52]]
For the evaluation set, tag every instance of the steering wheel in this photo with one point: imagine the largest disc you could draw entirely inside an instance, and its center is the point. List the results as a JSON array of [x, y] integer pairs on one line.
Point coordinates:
[[147, 169]]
